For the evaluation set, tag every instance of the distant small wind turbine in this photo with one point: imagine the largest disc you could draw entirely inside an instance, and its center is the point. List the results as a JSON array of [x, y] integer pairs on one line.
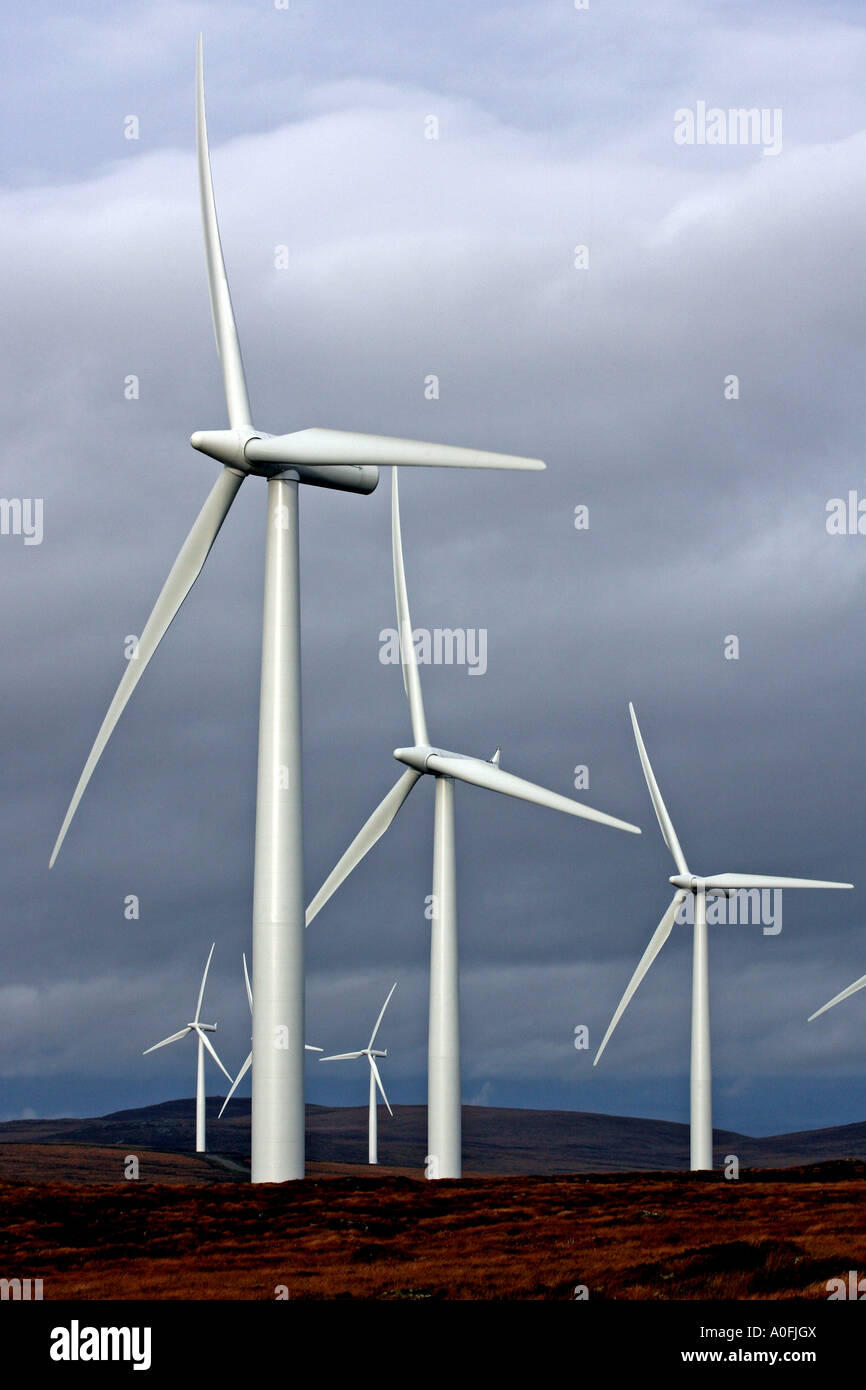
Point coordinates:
[[375, 1079], [248, 1063], [443, 1048], [686, 883], [837, 998], [201, 1031]]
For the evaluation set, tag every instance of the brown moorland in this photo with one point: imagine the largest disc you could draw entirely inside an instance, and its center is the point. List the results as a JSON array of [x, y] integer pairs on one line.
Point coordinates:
[[768, 1235]]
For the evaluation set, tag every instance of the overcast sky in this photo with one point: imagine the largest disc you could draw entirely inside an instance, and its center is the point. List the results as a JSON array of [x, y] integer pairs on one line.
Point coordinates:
[[455, 257]]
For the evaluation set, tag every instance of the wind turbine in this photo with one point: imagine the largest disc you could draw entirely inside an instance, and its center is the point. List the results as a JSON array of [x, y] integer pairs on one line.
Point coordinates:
[[837, 998], [375, 1079], [443, 1079], [324, 458], [201, 1031], [687, 883], [248, 1063]]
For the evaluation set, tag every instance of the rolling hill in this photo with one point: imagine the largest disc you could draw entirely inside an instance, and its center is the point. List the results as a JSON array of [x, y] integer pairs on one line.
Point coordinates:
[[496, 1141]]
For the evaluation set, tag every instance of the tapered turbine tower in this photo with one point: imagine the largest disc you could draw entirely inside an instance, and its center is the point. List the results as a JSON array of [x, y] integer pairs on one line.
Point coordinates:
[[687, 883], [248, 1063]]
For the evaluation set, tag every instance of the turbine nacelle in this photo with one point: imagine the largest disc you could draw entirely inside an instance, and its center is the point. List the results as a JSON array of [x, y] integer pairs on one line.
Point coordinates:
[[690, 883], [265, 455]]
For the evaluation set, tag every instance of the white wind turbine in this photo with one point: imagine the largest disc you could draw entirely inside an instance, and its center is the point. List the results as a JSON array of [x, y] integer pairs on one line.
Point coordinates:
[[248, 1063], [443, 1078], [201, 1031], [686, 883], [324, 458], [371, 1054]]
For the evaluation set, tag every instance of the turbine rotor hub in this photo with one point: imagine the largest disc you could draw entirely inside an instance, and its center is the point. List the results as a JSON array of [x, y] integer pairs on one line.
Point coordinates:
[[689, 883], [415, 757], [227, 446]]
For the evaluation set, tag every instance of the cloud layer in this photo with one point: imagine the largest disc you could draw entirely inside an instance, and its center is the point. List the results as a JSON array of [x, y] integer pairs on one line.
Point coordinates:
[[453, 257]]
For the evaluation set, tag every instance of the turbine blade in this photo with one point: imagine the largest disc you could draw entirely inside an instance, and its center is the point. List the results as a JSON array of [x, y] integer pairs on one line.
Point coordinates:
[[224, 327], [203, 979], [381, 1015], [408, 656], [370, 832], [247, 979], [343, 1057], [665, 823], [237, 1081], [768, 881], [657, 940], [211, 1049], [175, 1037], [308, 1047], [852, 989], [372, 1061], [481, 774], [317, 447], [184, 573]]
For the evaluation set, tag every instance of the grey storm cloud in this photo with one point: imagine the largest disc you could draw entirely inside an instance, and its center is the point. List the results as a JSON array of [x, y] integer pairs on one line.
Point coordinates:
[[410, 257]]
